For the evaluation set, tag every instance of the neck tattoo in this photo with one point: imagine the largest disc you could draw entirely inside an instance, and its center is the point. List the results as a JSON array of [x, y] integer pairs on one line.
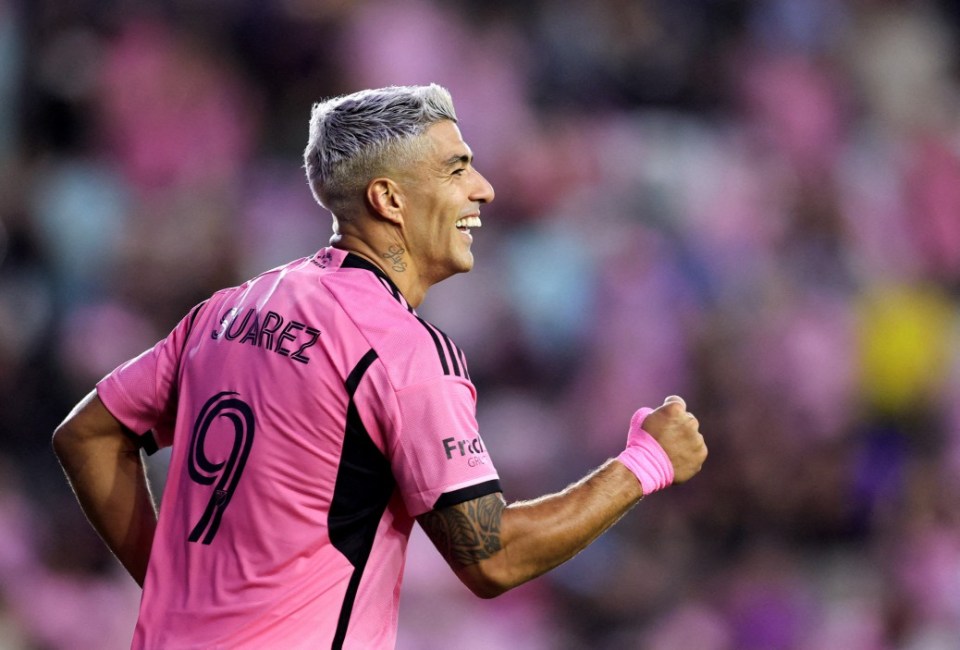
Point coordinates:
[[395, 255]]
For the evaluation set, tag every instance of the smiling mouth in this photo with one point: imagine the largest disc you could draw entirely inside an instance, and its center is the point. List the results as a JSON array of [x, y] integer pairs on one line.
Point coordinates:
[[466, 223]]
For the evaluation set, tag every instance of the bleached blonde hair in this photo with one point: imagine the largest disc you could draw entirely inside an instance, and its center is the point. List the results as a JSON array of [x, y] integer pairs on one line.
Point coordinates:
[[356, 137]]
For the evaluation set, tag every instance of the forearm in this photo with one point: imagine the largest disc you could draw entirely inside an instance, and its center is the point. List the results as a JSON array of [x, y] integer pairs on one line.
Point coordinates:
[[107, 475], [494, 547], [541, 534]]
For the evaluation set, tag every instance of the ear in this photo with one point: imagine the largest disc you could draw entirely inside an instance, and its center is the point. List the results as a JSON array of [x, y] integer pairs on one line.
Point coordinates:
[[386, 199]]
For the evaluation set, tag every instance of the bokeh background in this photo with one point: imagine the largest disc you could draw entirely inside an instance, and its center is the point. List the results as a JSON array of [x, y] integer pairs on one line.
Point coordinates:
[[755, 205]]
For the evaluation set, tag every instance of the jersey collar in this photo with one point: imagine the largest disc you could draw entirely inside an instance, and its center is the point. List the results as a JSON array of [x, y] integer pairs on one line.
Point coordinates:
[[354, 261]]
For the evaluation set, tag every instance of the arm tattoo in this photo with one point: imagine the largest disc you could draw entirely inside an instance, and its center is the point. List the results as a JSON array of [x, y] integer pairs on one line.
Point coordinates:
[[395, 255], [467, 532]]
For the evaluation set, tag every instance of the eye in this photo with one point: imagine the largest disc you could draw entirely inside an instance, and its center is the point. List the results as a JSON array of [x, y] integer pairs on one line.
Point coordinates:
[[459, 172]]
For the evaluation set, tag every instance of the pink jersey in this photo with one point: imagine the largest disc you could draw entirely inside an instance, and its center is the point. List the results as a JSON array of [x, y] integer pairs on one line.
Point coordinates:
[[312, 415]]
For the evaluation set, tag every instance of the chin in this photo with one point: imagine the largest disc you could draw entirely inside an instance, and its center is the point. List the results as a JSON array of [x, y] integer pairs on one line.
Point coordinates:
[[466, 265], [461, 266]]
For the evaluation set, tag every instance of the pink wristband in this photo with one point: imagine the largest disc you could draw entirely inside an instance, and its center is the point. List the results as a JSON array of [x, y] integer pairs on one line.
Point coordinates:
[[645, 457]]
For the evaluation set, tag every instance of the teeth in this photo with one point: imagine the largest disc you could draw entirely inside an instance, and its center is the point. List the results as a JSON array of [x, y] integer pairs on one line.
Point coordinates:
[[468, 222]]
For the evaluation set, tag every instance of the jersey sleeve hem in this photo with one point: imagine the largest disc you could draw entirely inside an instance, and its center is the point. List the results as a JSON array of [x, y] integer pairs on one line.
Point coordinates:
[[110, 392], [468, 493]]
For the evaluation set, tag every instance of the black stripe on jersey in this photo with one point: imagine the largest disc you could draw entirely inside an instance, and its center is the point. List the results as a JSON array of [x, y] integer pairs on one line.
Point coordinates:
[[458, 363], [354, 261], [148, 441], [193, 316], [468, 493], [397, 295], [453, 355], [451, 360], [436, 341], [361, 493], [393, 290], [353, 379], [191, 320], [463, 362]]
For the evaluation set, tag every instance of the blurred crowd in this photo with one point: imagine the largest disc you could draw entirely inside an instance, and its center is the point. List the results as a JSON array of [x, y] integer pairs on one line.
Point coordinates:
[[753, 204]]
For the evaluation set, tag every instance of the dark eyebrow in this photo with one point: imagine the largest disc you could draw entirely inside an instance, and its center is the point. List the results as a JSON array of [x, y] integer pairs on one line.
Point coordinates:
[[457, 159]]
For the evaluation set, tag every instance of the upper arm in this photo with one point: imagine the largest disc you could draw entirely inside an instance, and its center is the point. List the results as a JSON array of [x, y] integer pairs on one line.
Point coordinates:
[[105, 470], [438, 456], [468, 536], [91, 425]]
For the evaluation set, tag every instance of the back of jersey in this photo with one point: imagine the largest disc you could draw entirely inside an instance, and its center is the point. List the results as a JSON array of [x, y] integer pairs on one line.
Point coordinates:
[[243, 555], [312, 415]]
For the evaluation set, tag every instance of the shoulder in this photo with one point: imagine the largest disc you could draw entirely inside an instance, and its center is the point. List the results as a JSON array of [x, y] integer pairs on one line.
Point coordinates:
[[411, 349], [436, 351]]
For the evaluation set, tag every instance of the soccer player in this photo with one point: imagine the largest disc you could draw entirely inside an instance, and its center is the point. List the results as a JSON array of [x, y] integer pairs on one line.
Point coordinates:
[[313, 416]]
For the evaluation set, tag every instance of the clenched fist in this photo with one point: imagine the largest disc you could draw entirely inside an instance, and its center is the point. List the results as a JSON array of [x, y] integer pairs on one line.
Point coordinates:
[[664, 445], [678, 433]]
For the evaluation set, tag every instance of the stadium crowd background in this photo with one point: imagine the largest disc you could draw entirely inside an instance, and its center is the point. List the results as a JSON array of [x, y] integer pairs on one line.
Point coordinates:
[[755, 205]]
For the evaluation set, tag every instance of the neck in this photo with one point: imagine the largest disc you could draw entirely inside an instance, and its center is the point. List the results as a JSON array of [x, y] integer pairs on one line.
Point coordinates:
[[392, 259]]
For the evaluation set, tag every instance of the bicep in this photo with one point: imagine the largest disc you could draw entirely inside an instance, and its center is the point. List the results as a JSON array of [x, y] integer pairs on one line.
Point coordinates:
[[91, 424]]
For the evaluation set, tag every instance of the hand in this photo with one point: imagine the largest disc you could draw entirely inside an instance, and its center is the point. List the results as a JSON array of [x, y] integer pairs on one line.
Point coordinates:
[[678, 432]]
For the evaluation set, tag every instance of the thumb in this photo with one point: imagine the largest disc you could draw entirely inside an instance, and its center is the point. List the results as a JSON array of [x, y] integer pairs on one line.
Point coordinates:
[[676, 399]]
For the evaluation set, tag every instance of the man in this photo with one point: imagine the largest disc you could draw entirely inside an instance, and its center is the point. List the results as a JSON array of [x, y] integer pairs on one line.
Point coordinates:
[[313, 415]]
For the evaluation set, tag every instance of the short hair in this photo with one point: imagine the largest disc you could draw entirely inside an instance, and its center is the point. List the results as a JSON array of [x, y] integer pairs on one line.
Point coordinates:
[[355, 137]]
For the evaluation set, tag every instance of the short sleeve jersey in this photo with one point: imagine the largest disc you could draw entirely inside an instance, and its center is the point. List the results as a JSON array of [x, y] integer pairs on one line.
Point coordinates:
[[312, 416]]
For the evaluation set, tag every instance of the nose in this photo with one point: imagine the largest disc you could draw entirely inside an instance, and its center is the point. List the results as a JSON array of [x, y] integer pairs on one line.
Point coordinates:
[[483, 192]]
